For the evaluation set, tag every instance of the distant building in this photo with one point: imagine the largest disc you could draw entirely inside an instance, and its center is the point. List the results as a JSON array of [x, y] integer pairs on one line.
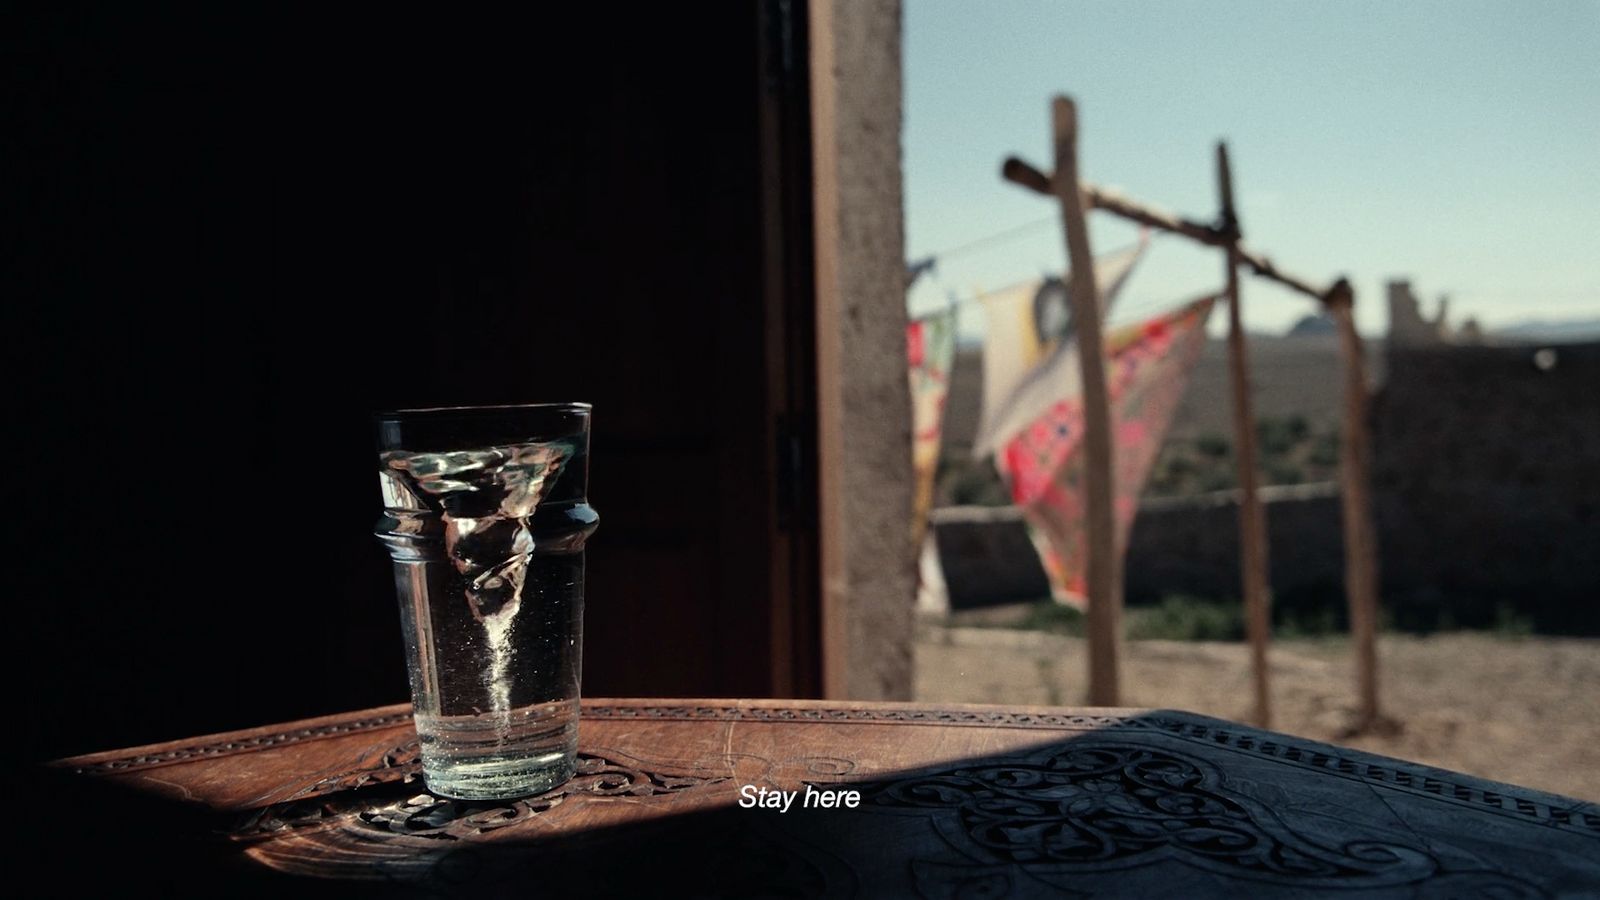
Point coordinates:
[[1408, 328]]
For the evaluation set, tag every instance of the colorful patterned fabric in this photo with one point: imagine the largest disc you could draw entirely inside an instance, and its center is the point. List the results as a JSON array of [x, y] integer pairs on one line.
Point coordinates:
[[1023, 327], [1148, 365], [930, 346]]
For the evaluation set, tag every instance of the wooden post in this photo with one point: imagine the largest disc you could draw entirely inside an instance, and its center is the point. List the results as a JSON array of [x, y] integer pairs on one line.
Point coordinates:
[[1253, 572], [1361, 545], [1103, 575], [1360, 537]]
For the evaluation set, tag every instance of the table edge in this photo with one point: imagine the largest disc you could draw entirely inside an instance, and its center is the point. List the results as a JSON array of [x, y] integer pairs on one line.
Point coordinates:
[[1347, 762]]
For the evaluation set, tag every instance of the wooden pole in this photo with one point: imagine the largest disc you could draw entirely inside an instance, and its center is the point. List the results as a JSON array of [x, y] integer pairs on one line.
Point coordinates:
[[1253, 572], [1021, 173], [1360, 537], [1360, 540], [1103, 575]]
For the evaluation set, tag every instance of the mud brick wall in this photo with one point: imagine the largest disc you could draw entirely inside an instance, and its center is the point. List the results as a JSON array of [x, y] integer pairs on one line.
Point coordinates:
[[1186, 545], [1486, 471], [1190, 545]]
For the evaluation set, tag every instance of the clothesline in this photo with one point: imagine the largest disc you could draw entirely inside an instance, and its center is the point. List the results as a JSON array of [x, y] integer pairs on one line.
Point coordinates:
[[998, 237], [1132, 311], [955, 301], [930, 262]]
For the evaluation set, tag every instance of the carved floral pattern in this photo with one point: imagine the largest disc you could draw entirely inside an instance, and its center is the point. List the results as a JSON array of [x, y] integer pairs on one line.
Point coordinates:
[[1105, 806], [427, 816]]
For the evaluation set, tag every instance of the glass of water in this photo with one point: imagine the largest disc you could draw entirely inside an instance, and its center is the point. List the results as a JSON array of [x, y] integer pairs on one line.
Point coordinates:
[[485, 516]]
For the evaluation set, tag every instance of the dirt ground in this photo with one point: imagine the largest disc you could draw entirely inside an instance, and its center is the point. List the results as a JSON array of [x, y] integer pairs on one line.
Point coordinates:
[[1518, 710]]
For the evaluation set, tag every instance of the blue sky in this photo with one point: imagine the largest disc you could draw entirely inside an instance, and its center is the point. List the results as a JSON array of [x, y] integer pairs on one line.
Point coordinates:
[[1456, 144]]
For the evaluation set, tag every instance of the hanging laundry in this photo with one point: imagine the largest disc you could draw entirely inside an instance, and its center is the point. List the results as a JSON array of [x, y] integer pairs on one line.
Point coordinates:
[[1148, 366], [1024, 326], [930, 346]]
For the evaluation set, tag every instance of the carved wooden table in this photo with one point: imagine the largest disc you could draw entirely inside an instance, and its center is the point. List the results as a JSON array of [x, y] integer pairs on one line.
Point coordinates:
[[952, 801]]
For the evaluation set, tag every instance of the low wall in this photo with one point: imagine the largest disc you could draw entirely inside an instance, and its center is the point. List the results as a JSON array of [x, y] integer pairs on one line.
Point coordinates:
[[1185, 545], [986, 557], [1190, 545]]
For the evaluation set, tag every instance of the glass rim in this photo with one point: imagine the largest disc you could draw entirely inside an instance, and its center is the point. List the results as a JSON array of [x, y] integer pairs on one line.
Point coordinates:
[[446, 412]]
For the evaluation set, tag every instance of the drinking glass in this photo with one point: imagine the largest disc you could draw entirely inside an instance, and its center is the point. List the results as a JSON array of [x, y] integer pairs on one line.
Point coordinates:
[[485, 516]]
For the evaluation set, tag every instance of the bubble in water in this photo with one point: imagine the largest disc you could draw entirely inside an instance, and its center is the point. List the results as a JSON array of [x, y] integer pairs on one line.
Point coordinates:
[[486, 498]]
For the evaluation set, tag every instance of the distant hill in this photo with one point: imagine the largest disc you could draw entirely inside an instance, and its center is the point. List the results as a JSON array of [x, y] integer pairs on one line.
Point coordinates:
[[1313, 325], [1566, 331]]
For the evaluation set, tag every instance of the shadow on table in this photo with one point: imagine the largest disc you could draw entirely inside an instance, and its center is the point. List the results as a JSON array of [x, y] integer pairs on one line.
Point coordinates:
[[1161, 800]]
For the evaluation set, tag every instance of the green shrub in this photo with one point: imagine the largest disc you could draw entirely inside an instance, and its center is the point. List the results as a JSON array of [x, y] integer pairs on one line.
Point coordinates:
[[1056, 618], [1177, 466], [972, 483], [1307, 623], [1180, 617], [1279, 436], [1325, 449], [1279, 471], [1510, 623]]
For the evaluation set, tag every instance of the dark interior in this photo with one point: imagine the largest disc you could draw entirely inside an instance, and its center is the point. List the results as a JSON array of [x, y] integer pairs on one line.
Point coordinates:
[[235, 239]]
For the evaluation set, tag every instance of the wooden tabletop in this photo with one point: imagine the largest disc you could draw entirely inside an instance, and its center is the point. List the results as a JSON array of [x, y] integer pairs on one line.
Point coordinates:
[[844, 799]]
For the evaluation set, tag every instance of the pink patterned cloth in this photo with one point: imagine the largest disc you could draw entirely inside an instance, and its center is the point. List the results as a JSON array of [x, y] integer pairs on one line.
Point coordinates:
[[930, 349], [1148, 365]]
